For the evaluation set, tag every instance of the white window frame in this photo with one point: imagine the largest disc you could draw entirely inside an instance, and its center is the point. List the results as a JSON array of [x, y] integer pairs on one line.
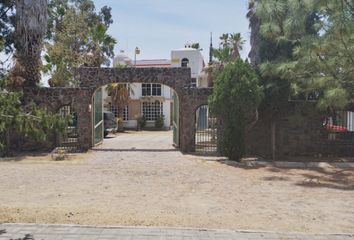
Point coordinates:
[[114, 110], [152, 110], [150, 88]]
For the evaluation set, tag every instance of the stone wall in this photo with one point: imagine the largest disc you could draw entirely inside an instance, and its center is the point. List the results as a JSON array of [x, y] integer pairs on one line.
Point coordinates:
[[91, 79], [55, 98], [298, 132], [176, 78], [190, 100]]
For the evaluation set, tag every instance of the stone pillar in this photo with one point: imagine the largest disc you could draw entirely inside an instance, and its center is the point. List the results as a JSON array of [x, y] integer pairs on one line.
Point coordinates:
[[84, 119], [187, 124]]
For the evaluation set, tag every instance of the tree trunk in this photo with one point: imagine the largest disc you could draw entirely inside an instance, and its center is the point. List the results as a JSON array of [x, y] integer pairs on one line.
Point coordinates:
[[255, 40], [31, 27], [121, 119]]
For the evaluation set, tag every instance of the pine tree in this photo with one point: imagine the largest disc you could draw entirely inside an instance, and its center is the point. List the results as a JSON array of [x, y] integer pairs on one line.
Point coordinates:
[[320, 35]]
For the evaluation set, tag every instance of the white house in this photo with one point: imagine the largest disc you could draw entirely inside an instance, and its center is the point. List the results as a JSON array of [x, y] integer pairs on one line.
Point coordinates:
[[153, 100], [188, 57]]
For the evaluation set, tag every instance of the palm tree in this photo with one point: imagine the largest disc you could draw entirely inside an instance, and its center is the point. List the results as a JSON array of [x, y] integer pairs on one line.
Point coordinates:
[[120, 94], [255, 40], [30, 29], [237, 45], [224, 40]]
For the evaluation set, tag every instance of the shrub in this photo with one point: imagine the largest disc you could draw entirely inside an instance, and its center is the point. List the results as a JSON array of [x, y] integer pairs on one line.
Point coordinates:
[[141, 122], [234, 102], [159, 122]]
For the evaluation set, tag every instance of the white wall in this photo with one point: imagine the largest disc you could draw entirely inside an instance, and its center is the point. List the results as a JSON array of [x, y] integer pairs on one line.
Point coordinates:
[[167, 113], [132, 124], [136, 89], [193, 55], [166, 92]]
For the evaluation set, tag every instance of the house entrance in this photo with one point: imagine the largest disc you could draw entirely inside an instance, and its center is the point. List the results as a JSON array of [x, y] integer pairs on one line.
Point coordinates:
[[129, 107], [205, 131], [87, 102]]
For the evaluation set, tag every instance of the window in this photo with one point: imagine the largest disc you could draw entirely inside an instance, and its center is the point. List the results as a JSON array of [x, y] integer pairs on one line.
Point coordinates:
[[115, 110], [152, 110], [149, 89], [185, 62]]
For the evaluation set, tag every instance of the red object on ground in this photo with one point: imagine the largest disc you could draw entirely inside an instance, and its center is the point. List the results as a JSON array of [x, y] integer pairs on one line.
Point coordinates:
[[335, 128]]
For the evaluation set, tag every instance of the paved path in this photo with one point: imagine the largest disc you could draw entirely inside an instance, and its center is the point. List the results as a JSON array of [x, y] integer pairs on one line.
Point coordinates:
[[76, 232]]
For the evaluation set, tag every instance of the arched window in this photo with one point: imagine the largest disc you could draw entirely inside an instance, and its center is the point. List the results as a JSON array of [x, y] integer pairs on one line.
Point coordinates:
[[185, 62]]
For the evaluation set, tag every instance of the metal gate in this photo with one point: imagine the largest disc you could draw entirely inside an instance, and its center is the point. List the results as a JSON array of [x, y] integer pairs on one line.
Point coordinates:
[[205, 131], [98, 117], [68, 140]]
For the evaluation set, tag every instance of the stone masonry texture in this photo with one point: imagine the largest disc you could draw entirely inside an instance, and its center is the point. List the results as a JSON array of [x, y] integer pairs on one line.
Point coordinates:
[[91, 79], [296, 134]]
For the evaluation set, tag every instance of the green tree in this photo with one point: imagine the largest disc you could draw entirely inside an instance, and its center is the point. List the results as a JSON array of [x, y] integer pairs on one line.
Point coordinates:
[[36, 123], [120, 94], [29, 22], [320, 35], [196, 46], [266, 50], [234, 101], [6, 26], [30, 29], [237, 44], [229, 49], [78, 37]]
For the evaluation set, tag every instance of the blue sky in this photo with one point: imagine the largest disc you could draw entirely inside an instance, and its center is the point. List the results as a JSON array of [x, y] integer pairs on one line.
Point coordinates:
[[158, 26]]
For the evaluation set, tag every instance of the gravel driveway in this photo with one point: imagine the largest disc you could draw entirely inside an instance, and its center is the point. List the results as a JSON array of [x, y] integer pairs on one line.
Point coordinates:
[[140, 179]]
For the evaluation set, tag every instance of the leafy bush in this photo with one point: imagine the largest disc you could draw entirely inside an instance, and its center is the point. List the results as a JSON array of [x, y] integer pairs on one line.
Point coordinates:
[[36, 123], [141, 122], [234, 102], [159, 122]]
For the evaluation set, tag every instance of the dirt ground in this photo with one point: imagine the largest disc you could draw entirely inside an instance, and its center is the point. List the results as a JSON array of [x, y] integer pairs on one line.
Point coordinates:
[[139, 179]]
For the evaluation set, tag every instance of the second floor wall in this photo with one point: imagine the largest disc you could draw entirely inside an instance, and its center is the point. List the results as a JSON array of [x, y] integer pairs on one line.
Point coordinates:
[[139, 90]]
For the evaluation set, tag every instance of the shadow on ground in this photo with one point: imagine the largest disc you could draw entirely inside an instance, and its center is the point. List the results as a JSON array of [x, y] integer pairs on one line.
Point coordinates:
[[17, 157], [26, 237], [333, 178]]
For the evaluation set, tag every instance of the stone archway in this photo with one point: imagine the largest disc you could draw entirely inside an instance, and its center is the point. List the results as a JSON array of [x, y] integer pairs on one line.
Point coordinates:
[[179, 79]]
